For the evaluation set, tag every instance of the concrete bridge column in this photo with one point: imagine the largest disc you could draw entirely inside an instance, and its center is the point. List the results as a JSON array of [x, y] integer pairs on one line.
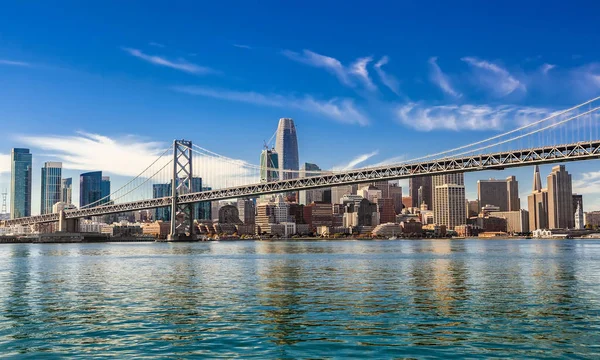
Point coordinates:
[[67, 225]]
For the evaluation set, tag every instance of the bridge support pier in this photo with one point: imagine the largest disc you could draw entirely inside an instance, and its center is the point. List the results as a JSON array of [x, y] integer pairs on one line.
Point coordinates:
[[67, 225], [182, 215]]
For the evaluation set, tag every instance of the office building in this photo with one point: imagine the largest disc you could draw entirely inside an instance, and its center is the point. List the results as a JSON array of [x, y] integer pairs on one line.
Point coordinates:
[[537, 203], [512, 185], [449, 200], [105, 188], [66, 190], [20, 183], [516, 221], [160, 191], [421, 191], [395, 193], [314, 195], [269, 163], [286, 145], [338, 192], [387, 213], [246, 211], [90, 188], [51, 186], [560, 199]]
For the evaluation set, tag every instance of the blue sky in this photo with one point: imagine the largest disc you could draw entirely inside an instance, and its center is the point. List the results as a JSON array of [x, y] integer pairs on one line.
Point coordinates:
[[388, 79]]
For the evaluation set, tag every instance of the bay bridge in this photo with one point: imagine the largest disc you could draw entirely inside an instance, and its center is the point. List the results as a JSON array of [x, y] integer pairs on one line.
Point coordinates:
[[568, 135]]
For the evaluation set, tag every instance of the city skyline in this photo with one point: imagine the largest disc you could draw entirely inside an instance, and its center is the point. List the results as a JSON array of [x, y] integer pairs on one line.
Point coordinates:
[[335, 87]]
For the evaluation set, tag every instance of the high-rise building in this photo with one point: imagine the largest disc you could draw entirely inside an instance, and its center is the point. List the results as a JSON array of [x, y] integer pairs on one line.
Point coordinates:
[[449, 200], [337, 192], [105, 188], [493, 192], [501, 193], [395, 193], [90, 188], [246, 211], [560, 199], [51, 186], [286, 145], [20, 183], [205, 208], [537, 203], [422, 185], [66, 190], [512, 185], [314, 195], [387, 212], [160, 191], [269, 162]]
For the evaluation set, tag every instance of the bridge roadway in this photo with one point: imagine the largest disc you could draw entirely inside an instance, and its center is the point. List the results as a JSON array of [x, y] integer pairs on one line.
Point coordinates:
[[493, 161]]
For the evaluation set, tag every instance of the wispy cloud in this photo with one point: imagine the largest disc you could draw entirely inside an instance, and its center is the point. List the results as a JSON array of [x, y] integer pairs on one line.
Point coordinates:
[[181, 64], [242, 46], [547, 67], [341, 110], [355, 161], [155, 44], [588, 183], [359, 69], [330, 64], [346, 75], [14, 63], [465, 117], [438, 77], [388, 80], [4, 163], [493, 77]]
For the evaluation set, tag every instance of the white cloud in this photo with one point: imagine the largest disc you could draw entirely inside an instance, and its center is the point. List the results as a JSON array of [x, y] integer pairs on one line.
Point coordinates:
[[465, 117], [589, 183], [155, 44], [438, 77], [242, 46], [341, 110], [14, 63], [126, 156], [181, 64], [547, 67], [388, 80], [4, 163], [359, 68], [354, 162], [346, 75], [493, 77]]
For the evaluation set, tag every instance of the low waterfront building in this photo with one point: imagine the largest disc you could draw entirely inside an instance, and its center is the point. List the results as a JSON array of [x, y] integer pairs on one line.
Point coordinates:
[[412, 227], [516, 221], [387, 230], [157, 229]]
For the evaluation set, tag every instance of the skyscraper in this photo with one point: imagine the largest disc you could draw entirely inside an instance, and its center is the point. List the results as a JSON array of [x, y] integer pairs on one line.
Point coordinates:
[[537, 203], [286, 145], [309, 196], [51, 186], [449, 200], [160, 191], [66, 190], [424, 183], [492, 192], [269, 160], [246, 211], [90, 188], [105, 187], [560, 199], [512, 185], [20, 183]]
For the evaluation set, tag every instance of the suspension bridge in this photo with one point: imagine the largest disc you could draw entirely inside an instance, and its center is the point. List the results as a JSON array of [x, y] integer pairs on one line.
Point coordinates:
[[568, 135]]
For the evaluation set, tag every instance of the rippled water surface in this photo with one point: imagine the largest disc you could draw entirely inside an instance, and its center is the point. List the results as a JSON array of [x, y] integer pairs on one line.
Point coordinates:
[[376, 299]]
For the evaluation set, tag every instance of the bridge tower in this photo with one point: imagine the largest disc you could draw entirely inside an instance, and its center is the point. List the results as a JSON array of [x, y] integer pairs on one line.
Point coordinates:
[[182, 216]]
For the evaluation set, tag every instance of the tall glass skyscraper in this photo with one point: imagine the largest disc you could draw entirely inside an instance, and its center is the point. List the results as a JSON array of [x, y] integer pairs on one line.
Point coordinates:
[[90, 188], [268, 160], [286, 145], [66, 189], [20, 183], [165, 190], [105, 188], [51, 186]]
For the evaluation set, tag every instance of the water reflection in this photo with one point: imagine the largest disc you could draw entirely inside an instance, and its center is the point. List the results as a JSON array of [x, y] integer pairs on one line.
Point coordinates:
[[302, 299]]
